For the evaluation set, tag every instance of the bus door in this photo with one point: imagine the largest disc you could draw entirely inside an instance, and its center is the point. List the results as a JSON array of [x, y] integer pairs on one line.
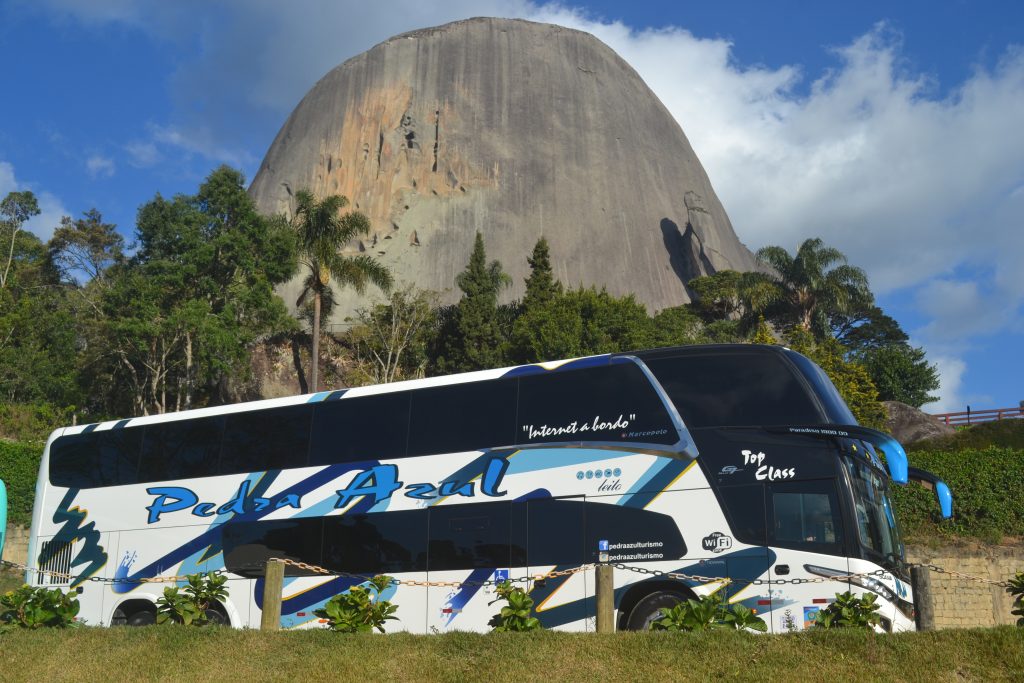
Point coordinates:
[[805, 532], [555, 542], [471, 544], [743, 546]]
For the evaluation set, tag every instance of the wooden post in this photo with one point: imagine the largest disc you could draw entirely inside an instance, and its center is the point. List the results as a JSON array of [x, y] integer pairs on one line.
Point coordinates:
[[604, 589], [273, 584], [924, 604]]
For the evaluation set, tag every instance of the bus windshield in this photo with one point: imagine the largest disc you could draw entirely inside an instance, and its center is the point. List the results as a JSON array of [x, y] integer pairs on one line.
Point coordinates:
[[876, 524]]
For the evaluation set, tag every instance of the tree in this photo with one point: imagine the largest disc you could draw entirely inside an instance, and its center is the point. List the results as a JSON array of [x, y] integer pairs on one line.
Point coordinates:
[[470, 336], [390, 341], [541, 285], [85, 248], [812, 286], [901, 373], [15, 209], [321, 232], [866, 329], [178, 320]]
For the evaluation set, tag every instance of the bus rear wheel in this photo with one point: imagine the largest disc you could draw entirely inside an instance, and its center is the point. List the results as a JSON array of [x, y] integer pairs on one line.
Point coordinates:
[[648, 610]]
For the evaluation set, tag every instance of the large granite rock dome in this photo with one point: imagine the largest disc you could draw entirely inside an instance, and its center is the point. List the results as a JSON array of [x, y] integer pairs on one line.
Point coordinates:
[[515, 129]]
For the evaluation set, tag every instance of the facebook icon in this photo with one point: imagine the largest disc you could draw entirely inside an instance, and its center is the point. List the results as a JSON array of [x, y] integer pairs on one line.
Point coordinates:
[[602, 546]]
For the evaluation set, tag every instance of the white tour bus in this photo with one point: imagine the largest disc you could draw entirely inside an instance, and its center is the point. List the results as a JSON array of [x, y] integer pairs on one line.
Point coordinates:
[[736, 461]]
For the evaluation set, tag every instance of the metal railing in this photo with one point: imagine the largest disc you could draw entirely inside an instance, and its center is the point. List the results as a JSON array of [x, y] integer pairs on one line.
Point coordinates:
[[975, 416]]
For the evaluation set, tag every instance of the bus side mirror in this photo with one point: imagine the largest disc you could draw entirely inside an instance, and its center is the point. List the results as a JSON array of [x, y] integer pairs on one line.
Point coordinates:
[[942, 493]]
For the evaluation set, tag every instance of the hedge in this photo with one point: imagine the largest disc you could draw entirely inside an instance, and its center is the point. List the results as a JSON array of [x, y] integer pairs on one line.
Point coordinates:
[[988, 494], [19, 467]]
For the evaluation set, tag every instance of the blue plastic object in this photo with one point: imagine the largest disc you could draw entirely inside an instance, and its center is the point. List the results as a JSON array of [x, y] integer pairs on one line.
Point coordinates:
[[945, 497]]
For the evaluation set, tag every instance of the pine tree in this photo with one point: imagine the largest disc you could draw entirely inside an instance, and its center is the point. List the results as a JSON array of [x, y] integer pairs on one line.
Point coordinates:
[[764, 334], [476, 341], [541, 286]]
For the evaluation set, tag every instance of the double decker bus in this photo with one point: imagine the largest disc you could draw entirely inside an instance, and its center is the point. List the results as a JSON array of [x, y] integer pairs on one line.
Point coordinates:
[[723, 461]]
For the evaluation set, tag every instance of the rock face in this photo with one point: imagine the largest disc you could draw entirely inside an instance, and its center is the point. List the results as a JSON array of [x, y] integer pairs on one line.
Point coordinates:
[[515, 129], [908, 424]]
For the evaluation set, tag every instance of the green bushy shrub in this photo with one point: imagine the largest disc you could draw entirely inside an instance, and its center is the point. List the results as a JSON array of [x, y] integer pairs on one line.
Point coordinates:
[[360, 609], [517, 615], [19, 468], [849, 611], [705, 613], [32, 608], [192, 606]]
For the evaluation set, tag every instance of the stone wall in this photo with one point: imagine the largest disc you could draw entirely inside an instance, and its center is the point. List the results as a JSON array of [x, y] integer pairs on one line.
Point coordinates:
[[963, 604], [16, 545]]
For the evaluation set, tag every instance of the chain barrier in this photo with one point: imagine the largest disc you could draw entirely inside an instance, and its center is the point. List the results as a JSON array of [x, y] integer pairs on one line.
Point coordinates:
[[99, 579], [679, 576]]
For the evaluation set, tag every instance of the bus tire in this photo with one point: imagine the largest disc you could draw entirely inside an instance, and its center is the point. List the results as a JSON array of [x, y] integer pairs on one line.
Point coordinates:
[[142, 618], [216, 616], [649, 608]]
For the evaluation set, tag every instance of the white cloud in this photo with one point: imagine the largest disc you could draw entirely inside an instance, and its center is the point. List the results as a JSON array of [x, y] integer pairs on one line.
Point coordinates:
[[951, 372], [142, 154], [100, 166], [50, 207]]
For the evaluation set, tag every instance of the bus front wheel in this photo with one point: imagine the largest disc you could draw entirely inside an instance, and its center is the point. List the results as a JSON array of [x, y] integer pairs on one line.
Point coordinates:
[[648, 610]]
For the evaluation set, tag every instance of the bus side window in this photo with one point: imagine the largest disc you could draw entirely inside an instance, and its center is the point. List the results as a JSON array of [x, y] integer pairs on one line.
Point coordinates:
[[805, 515], [469, 536], [249, 545], [379, 543], [260, 440], [463, 417], [181, 450], [361, 428], [744, 508], [104, 458]]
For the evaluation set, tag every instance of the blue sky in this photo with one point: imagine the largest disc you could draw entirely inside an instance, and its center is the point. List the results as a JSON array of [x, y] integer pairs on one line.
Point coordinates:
[[891, 130]]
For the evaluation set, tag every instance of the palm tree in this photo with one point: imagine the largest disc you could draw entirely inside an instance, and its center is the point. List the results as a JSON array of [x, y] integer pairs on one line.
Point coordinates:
[[813, 285], [321, 231]]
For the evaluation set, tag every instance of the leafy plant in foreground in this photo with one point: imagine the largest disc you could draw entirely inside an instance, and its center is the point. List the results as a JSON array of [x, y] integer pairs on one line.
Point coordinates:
[[32, 608], [1016, 589], [849, 611], [516, 615], [191, 607], [360, 609], [707, 612]]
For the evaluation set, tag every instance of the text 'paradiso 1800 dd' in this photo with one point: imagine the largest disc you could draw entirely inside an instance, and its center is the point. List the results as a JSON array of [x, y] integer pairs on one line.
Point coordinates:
[[722, 461]]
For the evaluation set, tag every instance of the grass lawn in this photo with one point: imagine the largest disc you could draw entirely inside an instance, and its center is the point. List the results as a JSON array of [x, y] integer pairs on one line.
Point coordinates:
[[214, 654]]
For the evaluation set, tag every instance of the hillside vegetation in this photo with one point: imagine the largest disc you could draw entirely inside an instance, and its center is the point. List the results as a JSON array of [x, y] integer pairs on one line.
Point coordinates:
[[177, 653], [1001, 433]]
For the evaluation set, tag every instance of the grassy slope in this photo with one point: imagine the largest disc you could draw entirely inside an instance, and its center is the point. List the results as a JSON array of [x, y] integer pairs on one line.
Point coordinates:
[[1003, 433], [176, 653]]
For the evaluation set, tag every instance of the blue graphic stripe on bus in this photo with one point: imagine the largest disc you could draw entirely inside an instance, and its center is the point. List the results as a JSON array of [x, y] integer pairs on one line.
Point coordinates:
[[91, 554], [120, 424], [89, 428], [653, 482], [458, 601], [529, 460], [211, 538]]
